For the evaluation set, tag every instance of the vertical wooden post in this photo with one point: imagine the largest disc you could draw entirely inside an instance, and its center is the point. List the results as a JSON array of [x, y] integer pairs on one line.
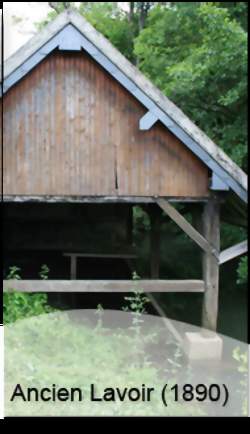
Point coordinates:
[[155, 243], [211, 230]]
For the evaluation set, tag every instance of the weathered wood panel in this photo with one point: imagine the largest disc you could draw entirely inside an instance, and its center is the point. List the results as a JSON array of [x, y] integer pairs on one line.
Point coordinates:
[[103, 285], [70, 129]]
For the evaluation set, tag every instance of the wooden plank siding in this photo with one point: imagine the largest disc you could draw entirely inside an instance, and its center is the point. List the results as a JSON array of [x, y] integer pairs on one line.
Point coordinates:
[[71, 129]]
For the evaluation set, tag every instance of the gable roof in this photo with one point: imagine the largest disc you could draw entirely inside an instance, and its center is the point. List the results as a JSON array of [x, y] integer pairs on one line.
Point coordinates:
[[70, 31]]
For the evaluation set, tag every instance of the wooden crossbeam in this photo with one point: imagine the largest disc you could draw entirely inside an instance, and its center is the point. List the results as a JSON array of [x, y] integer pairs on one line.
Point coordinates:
[[102, 255], [96, 199], [232, 252], [103, 285], [187, 227]]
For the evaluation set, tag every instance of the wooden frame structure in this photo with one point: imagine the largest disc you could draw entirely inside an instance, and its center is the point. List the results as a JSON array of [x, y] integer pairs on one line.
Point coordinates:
[[208, 240], [71, 33]]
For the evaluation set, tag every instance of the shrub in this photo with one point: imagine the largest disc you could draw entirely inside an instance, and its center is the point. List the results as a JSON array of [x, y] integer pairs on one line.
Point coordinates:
[[19, 305]]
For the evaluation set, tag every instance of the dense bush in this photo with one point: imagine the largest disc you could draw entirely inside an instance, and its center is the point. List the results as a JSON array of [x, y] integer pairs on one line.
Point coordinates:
[[18, 305]]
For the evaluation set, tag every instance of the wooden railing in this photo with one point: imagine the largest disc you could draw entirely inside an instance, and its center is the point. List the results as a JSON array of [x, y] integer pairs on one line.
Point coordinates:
[[104, 285]]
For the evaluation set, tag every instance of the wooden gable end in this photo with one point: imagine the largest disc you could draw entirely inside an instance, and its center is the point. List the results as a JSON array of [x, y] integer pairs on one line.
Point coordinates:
[[71, 129]]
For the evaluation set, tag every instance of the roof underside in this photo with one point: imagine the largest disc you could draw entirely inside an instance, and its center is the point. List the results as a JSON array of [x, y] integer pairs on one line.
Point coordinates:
[[71, 32]]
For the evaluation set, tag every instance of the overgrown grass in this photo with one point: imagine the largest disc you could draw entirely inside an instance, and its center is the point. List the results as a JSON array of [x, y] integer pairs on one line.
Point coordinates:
[[54, 349]]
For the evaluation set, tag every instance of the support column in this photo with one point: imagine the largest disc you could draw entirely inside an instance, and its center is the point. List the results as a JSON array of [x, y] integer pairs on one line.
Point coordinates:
[[211, 231]]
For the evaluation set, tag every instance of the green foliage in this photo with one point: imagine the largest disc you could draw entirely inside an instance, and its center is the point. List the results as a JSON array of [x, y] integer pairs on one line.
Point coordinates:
[[242, 360], [18, 305], [243, 271], [13, 273], [237, 10], [198, 57], [141, 220], [137, 301], [58, 7], [111, 21], [137, 306], [44, 272], [231, 234]]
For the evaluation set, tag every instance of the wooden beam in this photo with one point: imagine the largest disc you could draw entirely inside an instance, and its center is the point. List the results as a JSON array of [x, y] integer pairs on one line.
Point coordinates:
[[234, 251], [103, 285], [77, 199], [102, 255], [210, 263], [217, 184], [96, 199], [147, 121], [187, 227]]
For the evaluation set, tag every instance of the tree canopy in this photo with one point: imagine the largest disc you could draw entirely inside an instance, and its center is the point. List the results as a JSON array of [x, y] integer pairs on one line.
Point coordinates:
[[197, 55]]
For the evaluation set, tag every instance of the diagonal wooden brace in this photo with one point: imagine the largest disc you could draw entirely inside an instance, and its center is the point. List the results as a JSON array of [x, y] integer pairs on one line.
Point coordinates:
[[233, 252], [187, 227]]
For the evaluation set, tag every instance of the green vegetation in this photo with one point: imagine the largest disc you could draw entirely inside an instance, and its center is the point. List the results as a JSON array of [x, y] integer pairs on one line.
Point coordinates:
[[197, 54], [44, 272], [58, 349], [18, 305], [243, 271], [242, 360]]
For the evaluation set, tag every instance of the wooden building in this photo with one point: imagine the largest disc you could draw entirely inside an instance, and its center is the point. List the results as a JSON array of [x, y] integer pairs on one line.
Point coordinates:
[[83, 128]]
